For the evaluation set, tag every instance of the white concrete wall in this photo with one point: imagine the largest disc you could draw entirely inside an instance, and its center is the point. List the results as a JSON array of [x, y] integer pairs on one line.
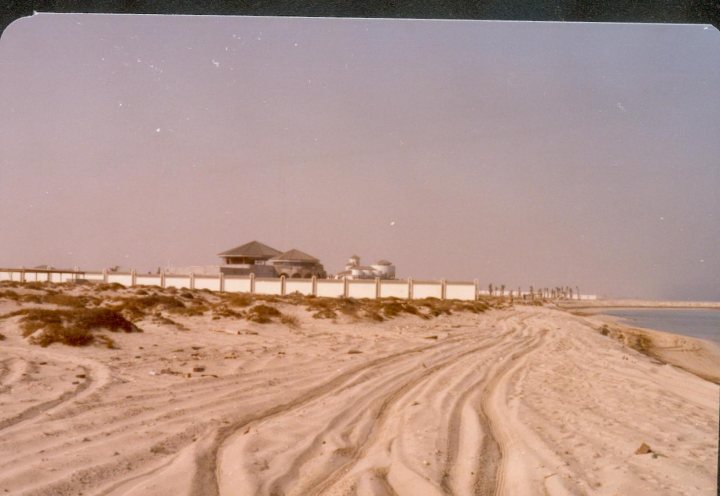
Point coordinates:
[[6, 275], [427, 290], [211, 282], [460, 291], [268, 286], [177, 281], [331, 289], [395, 289], [302, 286], [124, 279], [361, 289], [237, 285], [147, 280], [93, 276]]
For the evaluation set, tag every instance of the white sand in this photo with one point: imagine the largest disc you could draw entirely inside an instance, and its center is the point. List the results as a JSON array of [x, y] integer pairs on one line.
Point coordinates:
[[512, 402]]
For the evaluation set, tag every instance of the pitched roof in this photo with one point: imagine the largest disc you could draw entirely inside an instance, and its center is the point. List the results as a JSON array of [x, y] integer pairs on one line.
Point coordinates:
[[294, 256], [253, 249], [383, 262]]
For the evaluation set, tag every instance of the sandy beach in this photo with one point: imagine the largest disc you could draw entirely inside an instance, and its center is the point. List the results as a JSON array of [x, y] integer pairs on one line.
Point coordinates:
[[514, 400]]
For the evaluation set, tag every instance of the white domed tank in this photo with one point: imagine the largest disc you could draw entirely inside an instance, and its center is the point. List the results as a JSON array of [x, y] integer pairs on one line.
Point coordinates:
[[353, 261], [384, 269]]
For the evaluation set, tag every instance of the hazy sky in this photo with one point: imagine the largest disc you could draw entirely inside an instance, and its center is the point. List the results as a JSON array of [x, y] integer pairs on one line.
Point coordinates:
[[516, 153]]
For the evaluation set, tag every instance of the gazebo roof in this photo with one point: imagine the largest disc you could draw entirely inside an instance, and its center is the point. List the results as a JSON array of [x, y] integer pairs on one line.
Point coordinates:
[[294, 256], [383, 262], [253, 249]]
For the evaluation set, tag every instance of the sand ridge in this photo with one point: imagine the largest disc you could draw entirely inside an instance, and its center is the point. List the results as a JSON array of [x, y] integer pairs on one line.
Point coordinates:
[[524, 400]]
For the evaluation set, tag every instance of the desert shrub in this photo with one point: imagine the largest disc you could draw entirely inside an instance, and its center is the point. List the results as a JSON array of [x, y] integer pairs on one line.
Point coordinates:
[[37, 318], [325, 313], [347, 306], [159, 318], [136, 308], [262, 314], [435, 306], [107, 341], [222, 311], [328, 308], [10, 295], [189, 311], [391, 309], [93, 318], [2, 336], [31, 298], [113, 286], [71, 326], [269, 298], [605, 330], [66, 300], [58, 333], [186, 294], [374, 315], [141, 292], [470, 306], [319, 303], [238, 300], [289, 320]]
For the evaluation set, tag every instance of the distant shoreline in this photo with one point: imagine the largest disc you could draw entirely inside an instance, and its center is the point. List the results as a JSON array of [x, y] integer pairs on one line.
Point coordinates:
[[602, 304], [695, 355]]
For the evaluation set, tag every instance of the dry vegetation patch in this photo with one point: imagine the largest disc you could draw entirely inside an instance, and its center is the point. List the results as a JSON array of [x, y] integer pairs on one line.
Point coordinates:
[[85, 308], [74, 327]]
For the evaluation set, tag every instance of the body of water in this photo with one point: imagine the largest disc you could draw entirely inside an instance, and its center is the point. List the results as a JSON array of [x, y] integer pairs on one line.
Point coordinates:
[[700, 323]]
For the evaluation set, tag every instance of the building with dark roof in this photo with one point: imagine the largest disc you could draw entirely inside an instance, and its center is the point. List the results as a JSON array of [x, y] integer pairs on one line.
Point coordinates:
[[295, 263], [264, 261]]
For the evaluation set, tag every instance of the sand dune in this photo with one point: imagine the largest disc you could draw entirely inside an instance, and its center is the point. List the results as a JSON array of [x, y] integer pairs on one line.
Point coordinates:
[[524, 400]]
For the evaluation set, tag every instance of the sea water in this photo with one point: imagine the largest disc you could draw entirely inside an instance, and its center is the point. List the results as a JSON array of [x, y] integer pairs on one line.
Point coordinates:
[[703, 323]]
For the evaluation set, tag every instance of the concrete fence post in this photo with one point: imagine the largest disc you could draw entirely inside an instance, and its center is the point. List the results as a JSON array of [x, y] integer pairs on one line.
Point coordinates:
[[345, 287], [443, 289], [282, 285], [105, 276], [377, 287], [410, 288], [133, 277], [22, 275], [252, 283], [314, 285], [162, 279], [222, 282], [477, 288], [192, 280]]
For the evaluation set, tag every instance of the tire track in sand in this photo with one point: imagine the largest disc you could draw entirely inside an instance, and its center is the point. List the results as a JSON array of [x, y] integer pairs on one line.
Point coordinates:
[[205, 481], [389, 401], [494, 468]]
